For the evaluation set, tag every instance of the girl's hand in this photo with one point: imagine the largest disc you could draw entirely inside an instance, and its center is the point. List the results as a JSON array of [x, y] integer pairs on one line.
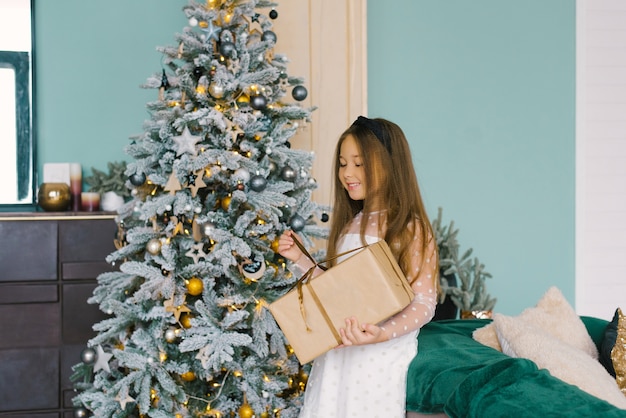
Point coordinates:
[[360, 334], [287, 247]]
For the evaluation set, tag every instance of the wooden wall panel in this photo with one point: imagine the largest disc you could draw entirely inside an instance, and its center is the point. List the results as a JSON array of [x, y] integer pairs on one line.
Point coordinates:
[[325, 41]]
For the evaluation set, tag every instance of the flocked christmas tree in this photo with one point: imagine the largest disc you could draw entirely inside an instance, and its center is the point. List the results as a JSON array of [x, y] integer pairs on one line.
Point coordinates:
[[214, 184]]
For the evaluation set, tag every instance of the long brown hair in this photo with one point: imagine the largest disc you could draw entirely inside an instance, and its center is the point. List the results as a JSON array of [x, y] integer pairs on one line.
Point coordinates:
[[391, 188]]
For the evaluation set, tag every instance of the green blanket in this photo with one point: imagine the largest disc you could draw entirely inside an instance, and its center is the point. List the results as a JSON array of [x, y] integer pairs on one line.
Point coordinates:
[[455, 374]]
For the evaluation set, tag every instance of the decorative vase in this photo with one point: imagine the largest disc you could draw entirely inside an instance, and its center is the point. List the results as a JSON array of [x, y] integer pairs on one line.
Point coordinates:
[[111, 202], [476, 314], [54, 197]]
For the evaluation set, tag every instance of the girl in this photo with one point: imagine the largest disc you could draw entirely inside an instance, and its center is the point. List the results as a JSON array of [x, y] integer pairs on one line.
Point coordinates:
[[376, 197]]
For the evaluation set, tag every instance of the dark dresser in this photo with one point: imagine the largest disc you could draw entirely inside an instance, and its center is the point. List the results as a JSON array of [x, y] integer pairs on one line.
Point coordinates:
[[48, 268]]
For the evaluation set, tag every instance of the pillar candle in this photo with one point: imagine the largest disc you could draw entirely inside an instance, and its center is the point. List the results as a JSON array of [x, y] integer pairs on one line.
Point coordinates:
[[76, 185]]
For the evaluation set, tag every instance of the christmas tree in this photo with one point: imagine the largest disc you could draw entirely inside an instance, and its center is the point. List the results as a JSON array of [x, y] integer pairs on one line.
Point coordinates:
[[214, 183]]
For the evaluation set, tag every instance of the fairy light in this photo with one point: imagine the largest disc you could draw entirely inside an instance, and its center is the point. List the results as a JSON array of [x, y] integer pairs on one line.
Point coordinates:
[[260, 304]]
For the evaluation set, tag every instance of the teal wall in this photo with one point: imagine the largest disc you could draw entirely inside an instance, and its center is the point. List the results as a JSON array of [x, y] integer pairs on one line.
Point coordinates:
[[91, 58], [484, 90]]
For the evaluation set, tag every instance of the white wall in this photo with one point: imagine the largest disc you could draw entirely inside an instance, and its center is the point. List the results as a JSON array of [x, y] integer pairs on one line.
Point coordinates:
[[601, 157]]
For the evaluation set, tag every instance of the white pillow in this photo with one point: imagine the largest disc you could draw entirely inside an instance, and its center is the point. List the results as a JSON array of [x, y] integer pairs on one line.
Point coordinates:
[[554, 315], [520, 339]]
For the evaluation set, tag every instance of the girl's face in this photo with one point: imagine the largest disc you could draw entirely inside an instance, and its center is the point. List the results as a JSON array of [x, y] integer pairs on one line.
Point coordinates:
[[351, 171]]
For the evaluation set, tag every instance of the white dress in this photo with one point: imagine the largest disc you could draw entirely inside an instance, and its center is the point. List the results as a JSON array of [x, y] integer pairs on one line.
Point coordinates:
[[369, 381]]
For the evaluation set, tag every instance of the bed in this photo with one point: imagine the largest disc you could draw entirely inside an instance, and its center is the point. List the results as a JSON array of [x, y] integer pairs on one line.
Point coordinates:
[[455, 375]]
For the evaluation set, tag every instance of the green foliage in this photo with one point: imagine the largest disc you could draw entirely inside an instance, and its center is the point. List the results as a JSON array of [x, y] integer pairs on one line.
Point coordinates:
[[470, 293], [112, 181]]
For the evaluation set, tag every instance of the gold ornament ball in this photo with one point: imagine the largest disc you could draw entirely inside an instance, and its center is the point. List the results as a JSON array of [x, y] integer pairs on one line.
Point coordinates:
[[246, 411], [303, 376], [265, 415], [154, 246], [195, 286], [243, 99], [275, 245], [225, 202], [188, 376], [185, 320]]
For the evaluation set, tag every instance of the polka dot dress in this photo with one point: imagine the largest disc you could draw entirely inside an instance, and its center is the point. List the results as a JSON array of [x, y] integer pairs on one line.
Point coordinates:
[[367, 381]]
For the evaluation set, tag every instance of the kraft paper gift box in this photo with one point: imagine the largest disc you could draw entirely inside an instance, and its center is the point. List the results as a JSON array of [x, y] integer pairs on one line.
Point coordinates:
[[369, 285]]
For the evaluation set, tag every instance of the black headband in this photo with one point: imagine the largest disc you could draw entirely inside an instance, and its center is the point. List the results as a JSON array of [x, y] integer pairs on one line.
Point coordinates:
[[376, 128]]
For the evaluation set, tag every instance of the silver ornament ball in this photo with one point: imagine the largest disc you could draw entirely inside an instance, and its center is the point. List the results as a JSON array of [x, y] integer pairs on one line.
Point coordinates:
[[216, 90], [208, 229], [88, 355], [258, 102], [288, 173], [242, 174], [297, 223], [137, 179], [299, 93], [268, 35], [227, 49], [258, 183], [170, 335], [154, 246]]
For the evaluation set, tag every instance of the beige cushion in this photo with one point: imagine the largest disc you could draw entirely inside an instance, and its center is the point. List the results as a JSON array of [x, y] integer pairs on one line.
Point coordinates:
[[552, 314], [519, 338]]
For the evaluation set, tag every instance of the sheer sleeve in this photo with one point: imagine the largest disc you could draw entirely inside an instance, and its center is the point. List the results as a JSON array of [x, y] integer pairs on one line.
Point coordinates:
[[423, 278], [303, 265]]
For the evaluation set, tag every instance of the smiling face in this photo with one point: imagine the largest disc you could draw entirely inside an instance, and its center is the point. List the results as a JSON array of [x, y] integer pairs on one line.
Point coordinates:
[[351, 172]]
